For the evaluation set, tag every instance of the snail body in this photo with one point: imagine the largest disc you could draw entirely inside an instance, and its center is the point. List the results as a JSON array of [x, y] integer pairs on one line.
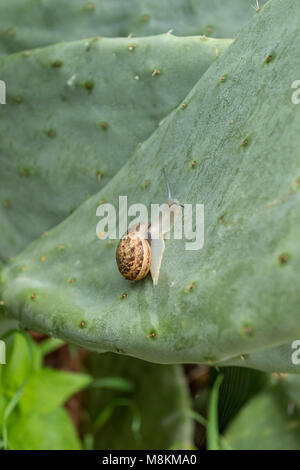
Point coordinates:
[[142, 246]]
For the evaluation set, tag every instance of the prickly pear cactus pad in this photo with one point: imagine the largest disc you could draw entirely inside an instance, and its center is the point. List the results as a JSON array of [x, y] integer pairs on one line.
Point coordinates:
[[26, 24], [75, 112], [278, 359], [233, 146]]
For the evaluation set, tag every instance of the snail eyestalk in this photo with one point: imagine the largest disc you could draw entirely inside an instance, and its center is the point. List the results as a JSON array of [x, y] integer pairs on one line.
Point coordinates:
[[171, 201]]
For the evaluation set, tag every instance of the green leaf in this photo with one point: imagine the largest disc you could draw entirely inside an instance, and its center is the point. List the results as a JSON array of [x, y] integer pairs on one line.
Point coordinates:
[[197, 417], [240, 293], [49, 345], [213, 439], [18, 361], [11, 405], [53, 431], [160, 400], [113, 383], [79, 111], [3, 404], [36, 404], [49, 389], [26, 24], [270, 421], [110, 408], [238, 387]]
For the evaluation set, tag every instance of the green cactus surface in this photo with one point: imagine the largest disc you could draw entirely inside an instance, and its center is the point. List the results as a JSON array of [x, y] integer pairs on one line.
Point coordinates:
[[159, 401], [234, 147], [75, 113], [276, 359], [26, 24]]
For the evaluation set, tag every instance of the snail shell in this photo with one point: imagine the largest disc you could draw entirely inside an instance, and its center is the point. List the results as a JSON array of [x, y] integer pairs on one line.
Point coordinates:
[[134, 252]]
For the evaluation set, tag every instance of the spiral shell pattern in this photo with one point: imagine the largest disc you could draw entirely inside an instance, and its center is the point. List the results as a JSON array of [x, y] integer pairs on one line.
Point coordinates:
[[133, 254]]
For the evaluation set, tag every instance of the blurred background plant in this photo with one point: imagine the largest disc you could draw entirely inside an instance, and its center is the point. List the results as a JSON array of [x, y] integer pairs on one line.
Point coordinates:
[[59, 396]]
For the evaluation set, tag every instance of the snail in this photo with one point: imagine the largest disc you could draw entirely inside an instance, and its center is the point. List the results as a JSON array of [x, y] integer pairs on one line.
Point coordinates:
[[142, 246]]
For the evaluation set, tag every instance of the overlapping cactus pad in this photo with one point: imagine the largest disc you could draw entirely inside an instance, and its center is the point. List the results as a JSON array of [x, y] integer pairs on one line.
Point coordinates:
[[25, 24], [75, 113], [233, 146]]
